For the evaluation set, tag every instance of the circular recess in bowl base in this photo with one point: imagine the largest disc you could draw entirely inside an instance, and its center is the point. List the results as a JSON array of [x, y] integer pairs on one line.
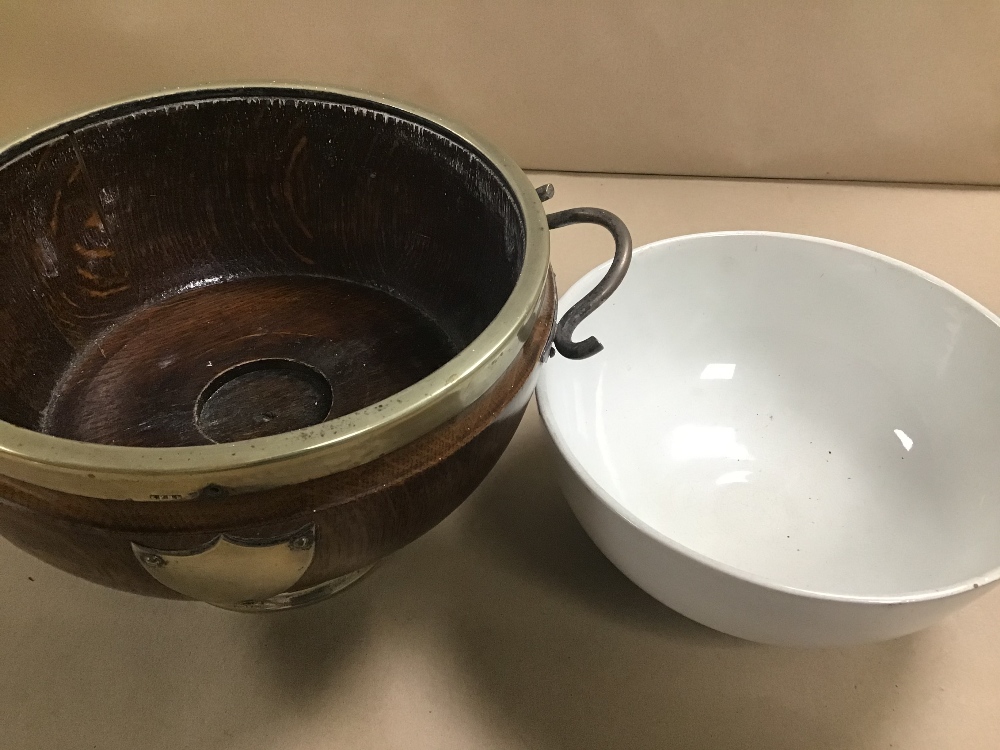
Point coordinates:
[[243, 359]]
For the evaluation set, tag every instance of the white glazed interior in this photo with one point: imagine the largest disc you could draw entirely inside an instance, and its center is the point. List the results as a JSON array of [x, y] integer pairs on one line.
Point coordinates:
[[807, 415]]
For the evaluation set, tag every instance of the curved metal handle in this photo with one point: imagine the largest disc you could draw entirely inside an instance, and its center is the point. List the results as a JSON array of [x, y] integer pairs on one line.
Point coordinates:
[[599, 294]]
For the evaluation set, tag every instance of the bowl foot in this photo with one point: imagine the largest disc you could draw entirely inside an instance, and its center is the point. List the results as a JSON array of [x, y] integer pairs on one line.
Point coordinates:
[[304, 597]]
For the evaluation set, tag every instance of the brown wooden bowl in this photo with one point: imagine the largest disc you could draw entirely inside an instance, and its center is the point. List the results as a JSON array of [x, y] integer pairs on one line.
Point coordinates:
[[256, 338]]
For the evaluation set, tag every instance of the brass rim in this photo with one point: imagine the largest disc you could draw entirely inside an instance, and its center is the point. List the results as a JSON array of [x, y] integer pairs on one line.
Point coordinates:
[[168, 474]]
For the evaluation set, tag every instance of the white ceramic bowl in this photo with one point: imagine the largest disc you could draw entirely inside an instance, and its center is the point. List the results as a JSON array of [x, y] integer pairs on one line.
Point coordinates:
[[788, 439]]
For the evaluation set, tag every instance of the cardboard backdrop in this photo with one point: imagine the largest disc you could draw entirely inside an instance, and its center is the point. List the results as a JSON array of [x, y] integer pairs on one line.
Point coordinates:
[[902, 90]]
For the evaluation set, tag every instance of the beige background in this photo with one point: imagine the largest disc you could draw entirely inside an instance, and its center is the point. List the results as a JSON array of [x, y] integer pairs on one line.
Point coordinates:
[[841, 89], [504, 627]]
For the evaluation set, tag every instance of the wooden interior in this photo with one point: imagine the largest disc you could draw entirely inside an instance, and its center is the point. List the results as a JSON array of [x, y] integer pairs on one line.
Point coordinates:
[[223, 265], [361, 515], [218, 266]]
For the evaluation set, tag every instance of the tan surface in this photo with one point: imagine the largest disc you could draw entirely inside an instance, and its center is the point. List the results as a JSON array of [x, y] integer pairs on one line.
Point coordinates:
[[504, 627], [903, 90]]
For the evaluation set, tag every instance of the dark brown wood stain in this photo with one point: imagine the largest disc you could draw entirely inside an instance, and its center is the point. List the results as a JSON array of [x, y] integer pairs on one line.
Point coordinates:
[[154, 365], [362, 514], [111, 225], [223, 265]]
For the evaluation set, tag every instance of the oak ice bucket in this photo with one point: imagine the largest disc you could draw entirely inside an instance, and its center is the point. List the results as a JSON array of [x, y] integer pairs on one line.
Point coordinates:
[[256, 338]]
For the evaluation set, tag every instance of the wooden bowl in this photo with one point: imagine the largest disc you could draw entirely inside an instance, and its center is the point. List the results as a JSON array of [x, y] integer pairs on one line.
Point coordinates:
[[255, 339]]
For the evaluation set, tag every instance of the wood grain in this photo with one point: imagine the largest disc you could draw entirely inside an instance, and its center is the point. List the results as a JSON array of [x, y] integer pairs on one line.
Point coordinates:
[[155, 365], [111, 223], [220, 267], [361, 514]]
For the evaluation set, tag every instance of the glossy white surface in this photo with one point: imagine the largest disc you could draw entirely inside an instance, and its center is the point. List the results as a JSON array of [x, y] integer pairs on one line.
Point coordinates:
[[786, 438]]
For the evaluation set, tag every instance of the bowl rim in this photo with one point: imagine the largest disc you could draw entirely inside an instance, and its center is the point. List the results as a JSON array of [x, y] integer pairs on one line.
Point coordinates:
[[607, 499], [182, 473]]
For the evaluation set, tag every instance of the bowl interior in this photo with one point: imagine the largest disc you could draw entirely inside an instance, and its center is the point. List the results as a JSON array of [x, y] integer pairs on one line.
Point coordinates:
[[221, 265], [810, 414]]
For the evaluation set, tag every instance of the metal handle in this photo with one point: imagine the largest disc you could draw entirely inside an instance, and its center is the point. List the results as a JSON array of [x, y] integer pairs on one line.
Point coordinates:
[[598, 295]]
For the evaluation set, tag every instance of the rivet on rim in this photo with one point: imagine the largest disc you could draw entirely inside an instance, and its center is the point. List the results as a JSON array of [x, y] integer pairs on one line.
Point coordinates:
[[154, 561]]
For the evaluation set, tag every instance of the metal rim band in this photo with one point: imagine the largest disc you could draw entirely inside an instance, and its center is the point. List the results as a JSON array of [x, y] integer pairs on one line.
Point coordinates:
[[171, 474]]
